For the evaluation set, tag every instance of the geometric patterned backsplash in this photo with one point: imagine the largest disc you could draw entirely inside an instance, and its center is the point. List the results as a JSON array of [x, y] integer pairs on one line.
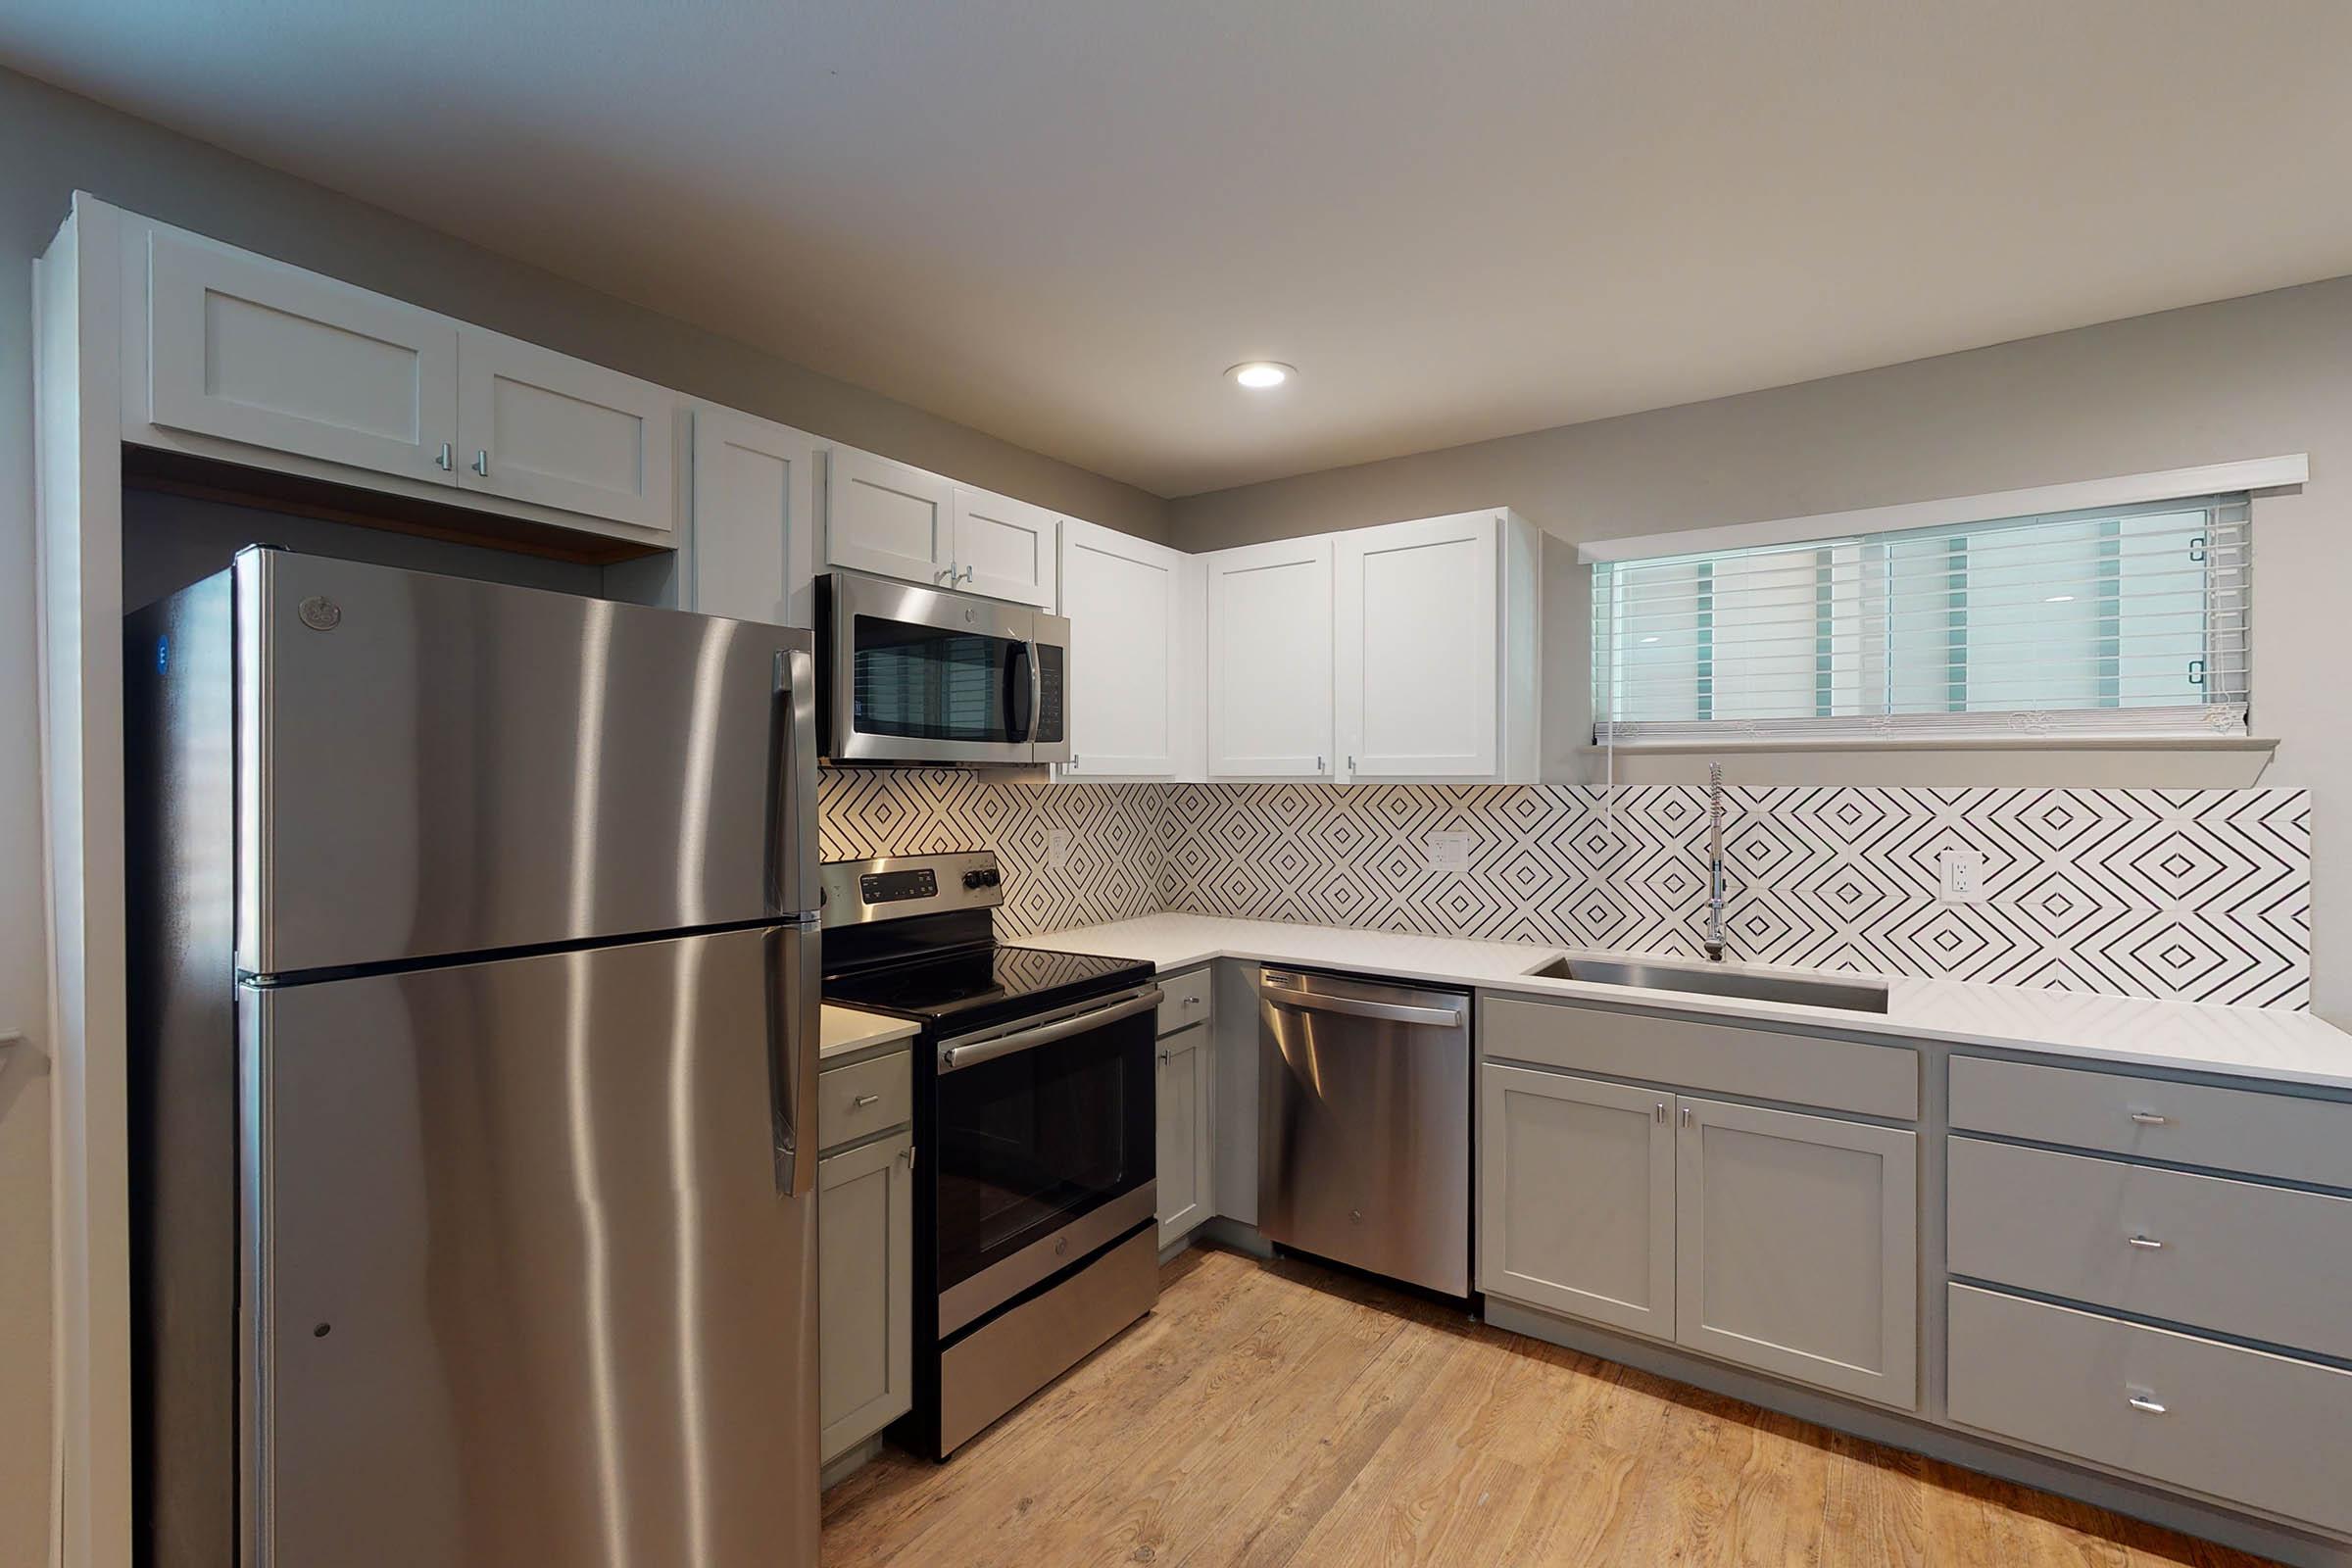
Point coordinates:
[[2195, 895], [1113, 871]]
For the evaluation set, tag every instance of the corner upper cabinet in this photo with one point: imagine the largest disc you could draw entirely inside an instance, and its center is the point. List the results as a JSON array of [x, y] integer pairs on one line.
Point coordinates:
[[253, 350], [1434, 660], [1134, 696], [751, 519], [539, 426], [1005, 549], [1269, 661], [888, 519]]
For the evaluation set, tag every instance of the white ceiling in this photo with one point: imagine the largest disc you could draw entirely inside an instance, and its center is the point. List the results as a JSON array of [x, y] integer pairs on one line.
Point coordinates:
[[1058, 220]]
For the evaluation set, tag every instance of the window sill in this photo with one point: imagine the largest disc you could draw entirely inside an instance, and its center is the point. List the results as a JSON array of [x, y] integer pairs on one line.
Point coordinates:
[[1948, 743]]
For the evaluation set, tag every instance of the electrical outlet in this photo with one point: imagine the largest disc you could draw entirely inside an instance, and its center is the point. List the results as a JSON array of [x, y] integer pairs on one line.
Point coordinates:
[[1963, 877], [1447, 852], [1057, 849]]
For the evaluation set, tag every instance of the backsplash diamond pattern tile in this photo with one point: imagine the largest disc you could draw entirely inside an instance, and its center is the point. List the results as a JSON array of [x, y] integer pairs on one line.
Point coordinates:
[[2202, 895], [1114, 829], [2199, 895]]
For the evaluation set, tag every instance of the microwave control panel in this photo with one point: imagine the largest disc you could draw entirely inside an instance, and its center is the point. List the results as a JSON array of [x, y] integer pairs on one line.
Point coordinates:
[[1052, 683]]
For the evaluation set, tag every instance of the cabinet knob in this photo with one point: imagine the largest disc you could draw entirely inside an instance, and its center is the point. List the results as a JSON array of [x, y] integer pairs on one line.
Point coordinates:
[[2146, 1243], [1686, 1116], [863, 1100], [1661, 1113], [1163, 1059], [2149, 1118], [482, 463], [2144, 1403], [966, 575], [446, 460]]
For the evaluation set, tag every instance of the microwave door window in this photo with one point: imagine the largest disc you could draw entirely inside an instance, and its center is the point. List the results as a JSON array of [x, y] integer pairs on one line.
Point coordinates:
[[928, 683]]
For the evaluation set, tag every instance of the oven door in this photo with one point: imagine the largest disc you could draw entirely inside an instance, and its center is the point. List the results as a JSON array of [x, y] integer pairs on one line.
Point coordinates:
[[922, 677], [1043, 1147]]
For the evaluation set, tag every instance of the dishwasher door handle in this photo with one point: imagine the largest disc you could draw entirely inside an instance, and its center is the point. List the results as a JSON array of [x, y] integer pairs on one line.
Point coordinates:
[[1386, 1011]]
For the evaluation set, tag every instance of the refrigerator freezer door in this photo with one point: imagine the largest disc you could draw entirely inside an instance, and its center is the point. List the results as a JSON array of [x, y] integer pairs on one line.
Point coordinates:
[[433, 766], [526, 1291]]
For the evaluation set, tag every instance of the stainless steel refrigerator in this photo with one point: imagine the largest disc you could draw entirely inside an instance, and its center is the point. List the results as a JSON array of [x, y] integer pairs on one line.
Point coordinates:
[[474, 1030]]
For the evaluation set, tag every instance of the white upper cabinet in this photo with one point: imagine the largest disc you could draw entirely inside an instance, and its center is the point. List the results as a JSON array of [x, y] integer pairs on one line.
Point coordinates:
[[752, 540], [896, 520], [1269, 661], [540, 426], [253, 350], [1434, 667], [1005, 548], [1414, 665], [310, 376], [888, 519], [1131, 690]]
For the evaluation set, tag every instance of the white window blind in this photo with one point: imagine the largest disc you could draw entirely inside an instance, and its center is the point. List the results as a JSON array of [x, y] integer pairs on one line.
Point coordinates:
[[2130, 621]]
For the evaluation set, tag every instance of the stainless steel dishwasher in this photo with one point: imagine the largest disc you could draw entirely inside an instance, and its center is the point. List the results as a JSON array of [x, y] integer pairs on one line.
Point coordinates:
[[1363, 1124]]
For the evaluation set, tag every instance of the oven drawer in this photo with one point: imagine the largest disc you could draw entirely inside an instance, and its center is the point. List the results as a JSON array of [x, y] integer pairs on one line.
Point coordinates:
[[2154, 1118], [1185, 999], [2260, 1263], [863, 1098], [2258, 1430]]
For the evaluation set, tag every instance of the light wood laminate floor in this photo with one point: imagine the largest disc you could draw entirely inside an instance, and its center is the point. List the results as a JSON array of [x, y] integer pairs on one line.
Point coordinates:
[[1271, 1413]]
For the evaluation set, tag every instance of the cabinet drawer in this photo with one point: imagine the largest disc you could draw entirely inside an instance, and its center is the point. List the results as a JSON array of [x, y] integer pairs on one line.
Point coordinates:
[[1183, 1000], [2190, 1124], [1760, 1064], [862, 1099], [2258, 1430], [2260, 1263]]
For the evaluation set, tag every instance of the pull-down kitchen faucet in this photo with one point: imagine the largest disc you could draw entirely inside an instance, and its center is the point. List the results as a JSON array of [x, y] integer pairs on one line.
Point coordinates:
[[1714, 862]]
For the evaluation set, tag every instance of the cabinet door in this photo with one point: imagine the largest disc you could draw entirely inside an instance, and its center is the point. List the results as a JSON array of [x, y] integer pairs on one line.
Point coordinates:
[[540, 426], [1269, 661], [1005, 548], [1418, 645], [865, 1291], [888, 519], [752, 545], [250, 350], [1184, 1099], [1576, 1197], [1123, 597], [1797, 1244]]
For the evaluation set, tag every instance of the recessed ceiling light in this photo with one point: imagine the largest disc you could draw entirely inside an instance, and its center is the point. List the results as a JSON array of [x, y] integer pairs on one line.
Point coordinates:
[[1259, 374], [2059, 599]]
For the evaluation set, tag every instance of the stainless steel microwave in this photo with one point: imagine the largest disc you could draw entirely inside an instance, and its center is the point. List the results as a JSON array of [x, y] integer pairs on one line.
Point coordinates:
[[920, 676]]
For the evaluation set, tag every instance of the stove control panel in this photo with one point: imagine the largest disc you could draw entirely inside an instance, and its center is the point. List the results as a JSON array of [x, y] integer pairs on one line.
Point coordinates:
[[898, 887]]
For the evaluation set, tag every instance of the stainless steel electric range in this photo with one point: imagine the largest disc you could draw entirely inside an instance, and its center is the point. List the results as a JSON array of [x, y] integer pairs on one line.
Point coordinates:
[[1034, 1233]]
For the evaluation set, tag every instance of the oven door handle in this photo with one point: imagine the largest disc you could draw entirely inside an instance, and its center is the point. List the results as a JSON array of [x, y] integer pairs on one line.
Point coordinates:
[[955, 1057]]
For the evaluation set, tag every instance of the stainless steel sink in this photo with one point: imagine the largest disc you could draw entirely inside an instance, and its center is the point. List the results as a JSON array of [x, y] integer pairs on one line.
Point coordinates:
[[1853, 995]]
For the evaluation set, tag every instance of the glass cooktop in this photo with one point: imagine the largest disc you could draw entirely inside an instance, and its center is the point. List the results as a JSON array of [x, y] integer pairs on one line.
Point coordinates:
[[958, 985]]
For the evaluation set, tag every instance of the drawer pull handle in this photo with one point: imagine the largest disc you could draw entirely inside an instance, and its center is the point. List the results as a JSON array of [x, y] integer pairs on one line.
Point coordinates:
[[2149, 1118], [2143, 1404], [2147, 1244], [863, 1100]]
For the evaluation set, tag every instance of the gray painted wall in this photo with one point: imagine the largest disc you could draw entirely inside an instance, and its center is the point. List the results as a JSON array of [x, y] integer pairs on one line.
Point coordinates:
[[2251, 377], [56, 143]]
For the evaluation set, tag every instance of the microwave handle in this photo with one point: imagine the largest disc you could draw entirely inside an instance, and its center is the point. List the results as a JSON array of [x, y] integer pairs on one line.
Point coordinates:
[[1020, 691]]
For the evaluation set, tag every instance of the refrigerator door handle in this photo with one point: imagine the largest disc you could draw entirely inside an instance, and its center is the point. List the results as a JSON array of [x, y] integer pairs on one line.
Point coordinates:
[[792, 884], [793, 981]]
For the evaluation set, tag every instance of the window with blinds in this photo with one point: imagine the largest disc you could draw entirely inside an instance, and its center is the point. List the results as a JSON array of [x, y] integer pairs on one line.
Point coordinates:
[[2122, 622]]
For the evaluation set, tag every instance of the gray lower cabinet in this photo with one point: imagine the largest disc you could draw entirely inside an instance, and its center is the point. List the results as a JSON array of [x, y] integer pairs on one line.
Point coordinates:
[[2242, 1425], [865, 1296], [1186, 1098], [1783, 1241], [1576, 1197], [1796, 1247]]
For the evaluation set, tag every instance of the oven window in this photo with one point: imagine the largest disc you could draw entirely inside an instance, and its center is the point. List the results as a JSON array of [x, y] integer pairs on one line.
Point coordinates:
[[930, 683], [1030, 1141]]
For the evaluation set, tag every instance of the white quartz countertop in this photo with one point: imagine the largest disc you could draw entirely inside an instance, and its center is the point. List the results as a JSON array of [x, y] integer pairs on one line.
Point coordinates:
[[848, 1029], [2264, 1042]]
